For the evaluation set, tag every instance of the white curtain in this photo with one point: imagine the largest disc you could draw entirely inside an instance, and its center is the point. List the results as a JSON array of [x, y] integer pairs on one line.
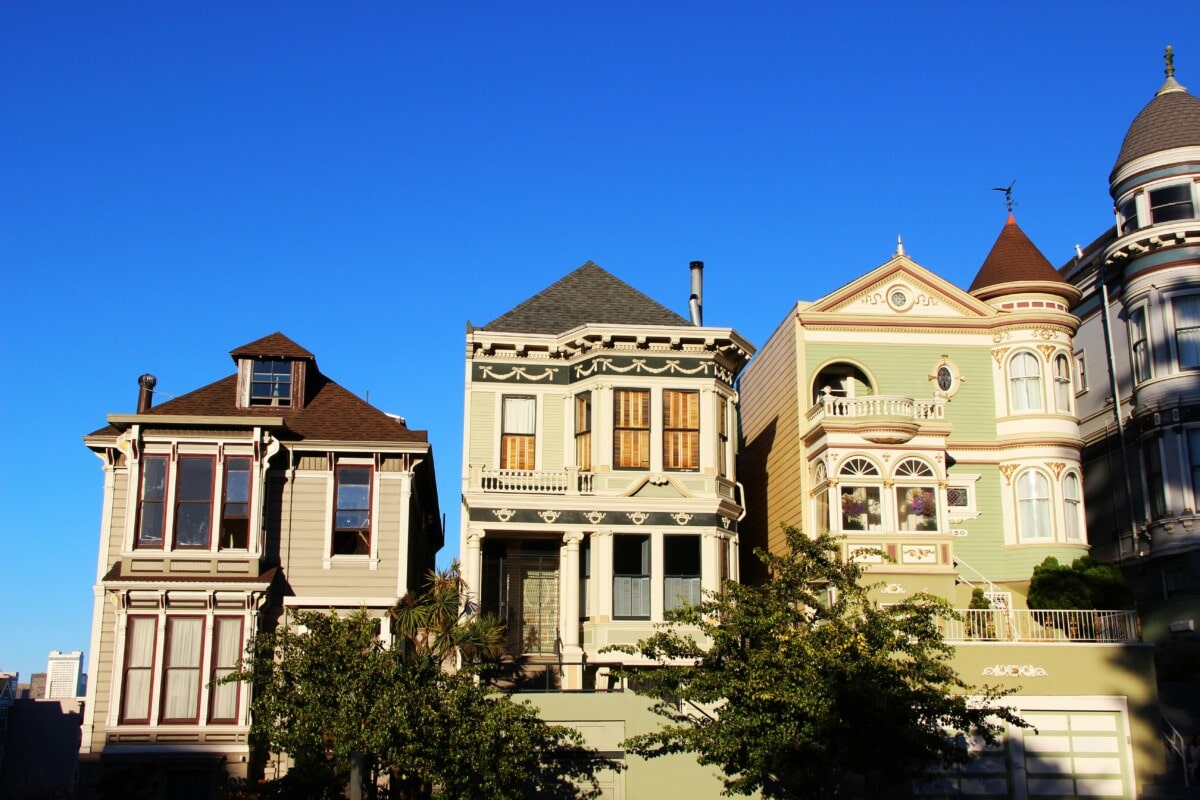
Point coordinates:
[[139, 668], [1071, 507], [182, 682], [227, 643], [1026, 380], [1187, 331], [1033, 498], [520, 415]]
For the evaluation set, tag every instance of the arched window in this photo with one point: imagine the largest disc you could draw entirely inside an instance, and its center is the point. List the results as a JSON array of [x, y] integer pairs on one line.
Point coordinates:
[[1033, 506], [860, 495], [1062, 384], [821, 496], [842, 380], [1025, 382], [916, 496], [1072, 507]]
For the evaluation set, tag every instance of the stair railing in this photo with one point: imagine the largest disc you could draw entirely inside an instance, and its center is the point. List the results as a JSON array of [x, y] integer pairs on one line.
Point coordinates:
[[1178, 745]]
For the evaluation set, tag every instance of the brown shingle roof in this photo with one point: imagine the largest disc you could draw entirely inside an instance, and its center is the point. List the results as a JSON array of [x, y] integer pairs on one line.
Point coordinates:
[[587, 295], [274, 345], [1171, 119], [1014, 259]]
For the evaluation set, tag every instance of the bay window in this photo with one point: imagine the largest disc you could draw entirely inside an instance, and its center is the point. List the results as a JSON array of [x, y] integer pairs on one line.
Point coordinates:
[[518, 437], [1072, 507], [722, 436], [916, 505], [235, 505], [1193, 447], [861, 503], [352, 514], [631, 429], [1025, 382], [1139, 345], [138, 678], [152, 508], [1171, 203], [681, 571], [181, 669], [631, 577], [681, 430], [1062, 384], [1187, 331], [583, 430], [227, 649]]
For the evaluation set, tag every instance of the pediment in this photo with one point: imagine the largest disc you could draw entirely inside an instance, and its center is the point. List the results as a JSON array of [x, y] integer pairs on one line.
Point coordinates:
[[657, 486], [901, 289]]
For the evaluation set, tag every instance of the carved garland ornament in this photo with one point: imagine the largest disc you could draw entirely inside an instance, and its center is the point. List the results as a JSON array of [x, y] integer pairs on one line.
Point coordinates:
[[1014, 671]]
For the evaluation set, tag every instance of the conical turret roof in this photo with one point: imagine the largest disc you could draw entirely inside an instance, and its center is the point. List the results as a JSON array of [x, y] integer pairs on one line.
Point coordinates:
[[1014, 265]]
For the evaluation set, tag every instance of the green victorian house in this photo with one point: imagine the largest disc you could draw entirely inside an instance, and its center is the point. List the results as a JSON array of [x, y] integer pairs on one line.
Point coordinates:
[[935, 431]]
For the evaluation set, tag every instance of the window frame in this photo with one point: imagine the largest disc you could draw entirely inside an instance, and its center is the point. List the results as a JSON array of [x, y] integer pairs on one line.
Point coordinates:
[[522, 443], [181, 501], [1060, 373], [638, 434], [1176, 301], [337, 529], [685, 457], [915, 491], [217, 670], [583, 431], [226, 514], [1129, 211], [123, 712], [170, 621], [1081, 381], [271, 378], [1191, 439], [1155, 476], [1040, 505], [723, 459], [160, 502], [1030, 386], [671, 600], [1186, 188], [1073, 530], [859, 481], [641, 578], [1141, 364]]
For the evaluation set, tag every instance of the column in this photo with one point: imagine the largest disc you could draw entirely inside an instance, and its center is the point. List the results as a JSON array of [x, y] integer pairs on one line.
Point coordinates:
[[472, 565], [711, 551], [572, 653], [405, 533]]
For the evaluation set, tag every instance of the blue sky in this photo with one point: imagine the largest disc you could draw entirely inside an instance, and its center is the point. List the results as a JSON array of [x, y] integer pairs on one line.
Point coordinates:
[[180, 179]]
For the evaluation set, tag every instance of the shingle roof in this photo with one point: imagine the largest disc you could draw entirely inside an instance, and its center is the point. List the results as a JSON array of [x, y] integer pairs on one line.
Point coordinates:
[[587, 295], [274, 345], [1014, 259], [1171, 119]]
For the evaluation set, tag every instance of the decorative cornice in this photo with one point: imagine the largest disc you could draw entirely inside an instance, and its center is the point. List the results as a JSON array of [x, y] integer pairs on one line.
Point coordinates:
[[1014, 671], [565, 518]]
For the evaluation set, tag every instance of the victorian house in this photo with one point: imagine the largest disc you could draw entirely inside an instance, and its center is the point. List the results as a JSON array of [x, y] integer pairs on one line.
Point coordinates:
[[269, 490], [934, 432]]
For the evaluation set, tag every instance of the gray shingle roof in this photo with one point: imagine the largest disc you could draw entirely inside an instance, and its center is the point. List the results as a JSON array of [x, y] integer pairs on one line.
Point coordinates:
[[587, 295]]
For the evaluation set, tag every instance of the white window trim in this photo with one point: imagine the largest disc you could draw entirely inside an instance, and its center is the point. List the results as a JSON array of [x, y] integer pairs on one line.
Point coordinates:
[[372, 558]]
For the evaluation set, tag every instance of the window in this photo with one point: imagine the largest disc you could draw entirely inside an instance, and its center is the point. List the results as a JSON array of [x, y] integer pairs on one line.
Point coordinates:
[[1171, 203], [1025, 382], [958, 498], [1072, 502], [861, 505], [583, 430], [631, 429], [518, 439], [235, 505], [1139, 345], [181, 669], [352, 517], [681, 430], [139, 668], [271, 383], [1033, 505], [193, 502], [1062, 384], [821, 481], [681, 571], [916, 505], [722, 436], [1129, 216], [585, 577], [631, 577], [227, 649], [1187, 331], [152, 510], [1155, 487], [1193, 445], [1081, 384]]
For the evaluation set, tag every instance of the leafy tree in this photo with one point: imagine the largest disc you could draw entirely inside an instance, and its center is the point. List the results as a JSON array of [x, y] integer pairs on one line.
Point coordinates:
[[328, 694], [803, 688], [1085, 585]]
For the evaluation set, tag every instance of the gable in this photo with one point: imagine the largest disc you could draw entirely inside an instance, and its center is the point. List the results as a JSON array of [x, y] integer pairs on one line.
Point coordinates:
[[898, 290]]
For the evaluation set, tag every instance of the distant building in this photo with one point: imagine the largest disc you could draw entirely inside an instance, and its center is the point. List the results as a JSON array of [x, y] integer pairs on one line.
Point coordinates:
[[35, 689], [8, 695], [64, 675]]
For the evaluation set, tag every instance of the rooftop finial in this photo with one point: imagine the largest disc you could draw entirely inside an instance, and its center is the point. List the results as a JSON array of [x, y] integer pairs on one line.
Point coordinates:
[[1170, 84], [1170, 59], [1008, 201], [899, 245]]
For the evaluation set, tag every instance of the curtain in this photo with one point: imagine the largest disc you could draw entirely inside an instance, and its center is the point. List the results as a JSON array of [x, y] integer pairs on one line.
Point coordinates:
[[227, 647], [1033, 498], [139, 667], [181, 690], [1187, 331]]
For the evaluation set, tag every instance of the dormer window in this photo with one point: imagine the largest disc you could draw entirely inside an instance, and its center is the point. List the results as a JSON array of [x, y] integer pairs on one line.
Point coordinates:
[[1129, 215], [1172, 203], [271, 383]]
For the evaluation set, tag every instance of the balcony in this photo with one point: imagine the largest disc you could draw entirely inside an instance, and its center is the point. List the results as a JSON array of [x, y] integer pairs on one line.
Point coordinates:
[[519, 481], [999, 625], [883, 419]]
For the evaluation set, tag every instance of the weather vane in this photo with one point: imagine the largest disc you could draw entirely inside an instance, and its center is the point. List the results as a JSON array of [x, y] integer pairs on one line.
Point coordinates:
[[1008, 201]]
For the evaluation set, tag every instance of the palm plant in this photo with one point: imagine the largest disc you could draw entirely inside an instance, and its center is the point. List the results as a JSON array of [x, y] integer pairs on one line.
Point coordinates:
[[442, 623]]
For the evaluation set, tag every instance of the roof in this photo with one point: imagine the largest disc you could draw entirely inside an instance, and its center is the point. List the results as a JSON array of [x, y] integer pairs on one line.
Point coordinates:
[[1170, 120], [1014, 259], [330, 412], [589, 295], [274, 345]]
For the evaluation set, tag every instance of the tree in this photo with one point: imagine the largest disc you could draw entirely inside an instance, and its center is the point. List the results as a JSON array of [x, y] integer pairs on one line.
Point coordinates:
[[1083, 586], [329, 694], [803, 688]]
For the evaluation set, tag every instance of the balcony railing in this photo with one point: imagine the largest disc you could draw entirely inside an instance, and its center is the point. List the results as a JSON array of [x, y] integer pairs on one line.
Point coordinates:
[[998, 625], [567, 481], [878, 405]]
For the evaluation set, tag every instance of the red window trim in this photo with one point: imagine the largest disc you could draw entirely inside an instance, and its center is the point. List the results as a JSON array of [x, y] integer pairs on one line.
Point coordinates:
[[121, 718], [162, 711], [141, 488], [213, 666]]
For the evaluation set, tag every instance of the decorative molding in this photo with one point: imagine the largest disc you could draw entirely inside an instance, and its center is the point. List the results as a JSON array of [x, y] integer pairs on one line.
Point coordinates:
[[637, 517], [658, 479], [486, 371], [1056, 467], [1014, 671], [893, 588], [503, 514], [1000, 336], [1045, 333], [919, 554], [671, 366], [998, 354], [682, 518], [725, 522], [1007, 470], [549, 516], [1047, 351], [595, 517]]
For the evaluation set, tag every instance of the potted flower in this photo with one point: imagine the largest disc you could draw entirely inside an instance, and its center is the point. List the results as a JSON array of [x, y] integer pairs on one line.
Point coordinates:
[[921, 503], [852, 510]]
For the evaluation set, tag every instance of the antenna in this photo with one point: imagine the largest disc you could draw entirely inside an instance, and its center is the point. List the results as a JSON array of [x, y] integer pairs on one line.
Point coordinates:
[[1008, 201]]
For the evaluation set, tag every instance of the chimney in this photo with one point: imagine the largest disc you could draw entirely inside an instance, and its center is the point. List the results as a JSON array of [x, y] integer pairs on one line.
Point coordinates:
[[145, 392], [696, 301]]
